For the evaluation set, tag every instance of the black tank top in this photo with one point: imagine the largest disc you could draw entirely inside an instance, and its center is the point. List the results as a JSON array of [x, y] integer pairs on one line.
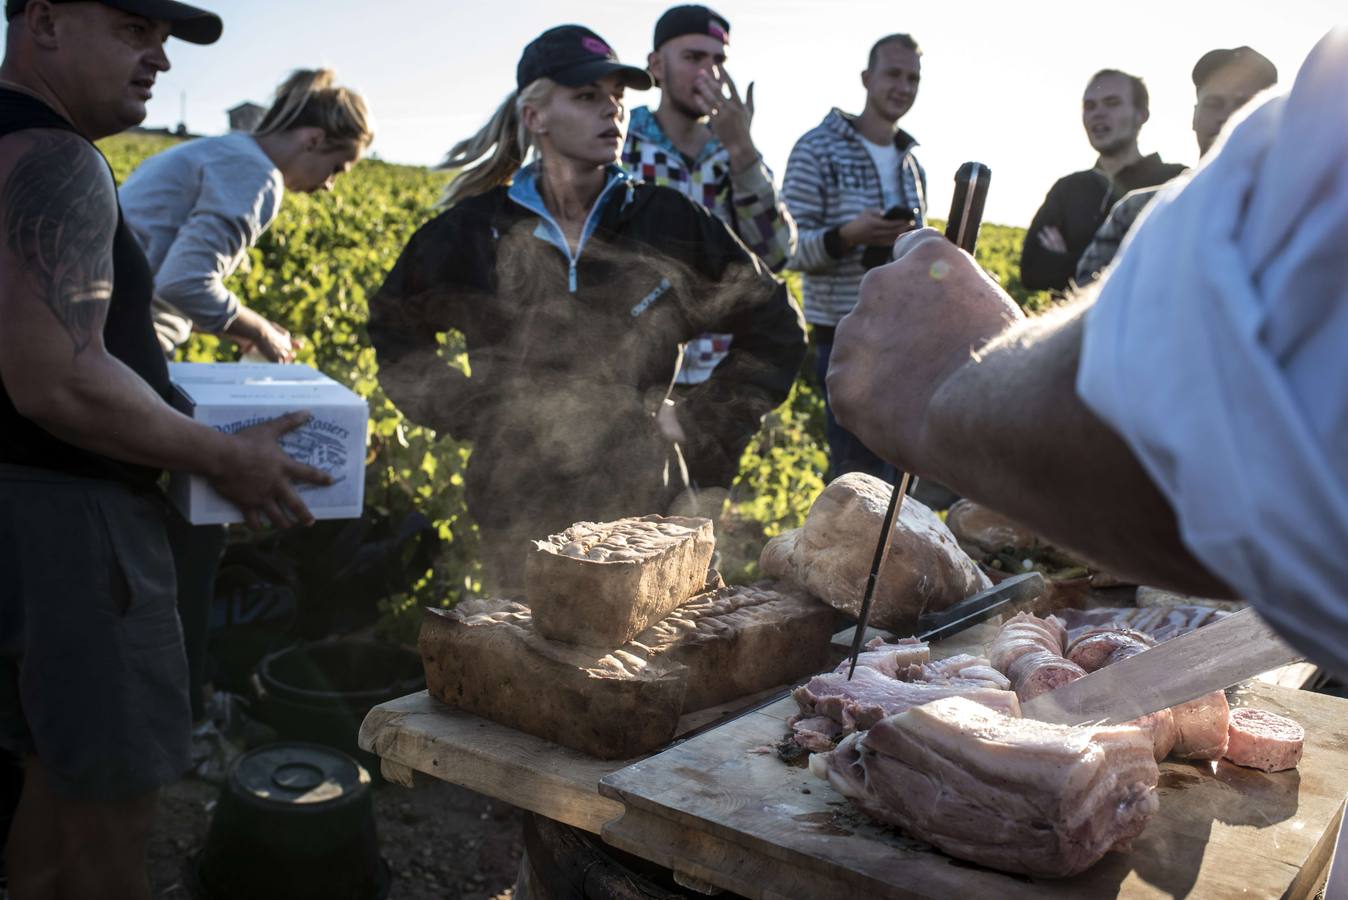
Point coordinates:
[[128, 334]]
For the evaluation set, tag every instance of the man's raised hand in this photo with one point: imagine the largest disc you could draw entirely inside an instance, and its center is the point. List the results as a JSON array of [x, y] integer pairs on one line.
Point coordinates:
[[731, 116]]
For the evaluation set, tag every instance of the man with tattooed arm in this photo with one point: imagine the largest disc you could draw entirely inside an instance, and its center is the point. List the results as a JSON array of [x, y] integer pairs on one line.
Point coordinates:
[[93, 678]]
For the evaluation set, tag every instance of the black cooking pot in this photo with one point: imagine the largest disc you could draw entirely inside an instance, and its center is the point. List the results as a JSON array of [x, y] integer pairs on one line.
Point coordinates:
[[321, 692], [294, 821]]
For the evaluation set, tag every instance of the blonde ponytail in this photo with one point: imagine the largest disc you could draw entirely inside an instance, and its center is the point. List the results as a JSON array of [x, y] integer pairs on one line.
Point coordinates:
[[498, 150], [309, 98]]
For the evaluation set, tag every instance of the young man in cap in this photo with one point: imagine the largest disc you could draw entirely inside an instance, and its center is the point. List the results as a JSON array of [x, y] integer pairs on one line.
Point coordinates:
[[698, 142], [1225, 80], [1113, 110], [854, 185], [93, 679]]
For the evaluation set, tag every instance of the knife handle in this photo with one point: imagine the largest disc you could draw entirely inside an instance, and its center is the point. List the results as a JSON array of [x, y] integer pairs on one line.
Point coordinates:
[[966, 207]]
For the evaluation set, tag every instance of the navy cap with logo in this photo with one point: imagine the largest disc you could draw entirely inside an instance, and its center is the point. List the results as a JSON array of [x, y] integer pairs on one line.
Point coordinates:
[[1242, 57], [573, 55], [196, 26], [691, 19]]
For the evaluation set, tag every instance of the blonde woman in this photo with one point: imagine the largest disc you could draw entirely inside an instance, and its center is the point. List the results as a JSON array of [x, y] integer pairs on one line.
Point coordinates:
[[198, 207], [573, 286]]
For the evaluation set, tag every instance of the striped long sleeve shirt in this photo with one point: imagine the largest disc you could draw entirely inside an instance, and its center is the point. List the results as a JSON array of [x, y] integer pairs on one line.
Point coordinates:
[[830, 179]]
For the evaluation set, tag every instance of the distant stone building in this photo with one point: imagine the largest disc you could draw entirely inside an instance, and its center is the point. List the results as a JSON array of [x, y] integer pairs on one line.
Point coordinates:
[[246, 116]]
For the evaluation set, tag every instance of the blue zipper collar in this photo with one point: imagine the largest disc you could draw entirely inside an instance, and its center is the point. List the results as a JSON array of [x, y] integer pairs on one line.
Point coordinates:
[[525, 192]]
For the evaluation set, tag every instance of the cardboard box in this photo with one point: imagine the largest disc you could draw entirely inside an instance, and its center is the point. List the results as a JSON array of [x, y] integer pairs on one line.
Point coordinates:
[[230, 397]]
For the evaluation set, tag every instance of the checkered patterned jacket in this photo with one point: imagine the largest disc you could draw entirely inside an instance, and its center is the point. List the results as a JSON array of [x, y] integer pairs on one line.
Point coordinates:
[[748, 201], [830, 179]]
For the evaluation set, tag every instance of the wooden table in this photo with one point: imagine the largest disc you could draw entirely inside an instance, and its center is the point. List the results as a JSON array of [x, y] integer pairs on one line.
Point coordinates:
[[724, 814]]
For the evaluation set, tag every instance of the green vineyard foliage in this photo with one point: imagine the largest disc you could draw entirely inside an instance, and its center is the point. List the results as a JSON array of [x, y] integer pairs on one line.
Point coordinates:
[[326, 254]]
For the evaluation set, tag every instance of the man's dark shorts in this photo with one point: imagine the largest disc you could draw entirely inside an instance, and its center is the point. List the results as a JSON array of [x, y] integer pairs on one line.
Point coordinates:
[[93, 678]]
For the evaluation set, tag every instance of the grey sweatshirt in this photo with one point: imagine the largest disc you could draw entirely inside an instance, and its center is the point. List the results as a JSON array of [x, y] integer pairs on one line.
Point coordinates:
[[196, 209]]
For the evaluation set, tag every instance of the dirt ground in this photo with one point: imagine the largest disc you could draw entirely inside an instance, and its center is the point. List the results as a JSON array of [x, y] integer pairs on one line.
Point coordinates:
[[442, 842]]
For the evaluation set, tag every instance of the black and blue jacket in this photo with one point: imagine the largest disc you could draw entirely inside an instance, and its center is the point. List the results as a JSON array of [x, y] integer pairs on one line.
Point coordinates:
[[572, 351]]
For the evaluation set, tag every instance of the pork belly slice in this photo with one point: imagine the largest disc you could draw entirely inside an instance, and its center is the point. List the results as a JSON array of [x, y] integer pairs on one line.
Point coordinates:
[[890, 659], [870, 696], [1024, 633], [1263, 740], [1041, 671], [1014, 794], [1100, 647]]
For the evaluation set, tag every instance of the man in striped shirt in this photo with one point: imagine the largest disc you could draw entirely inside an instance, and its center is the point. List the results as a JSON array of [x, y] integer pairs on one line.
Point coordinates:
[[853, 186]]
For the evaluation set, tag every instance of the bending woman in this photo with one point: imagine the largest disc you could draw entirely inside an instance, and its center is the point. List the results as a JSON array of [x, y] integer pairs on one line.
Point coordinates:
[[198, 207], [573, 286]]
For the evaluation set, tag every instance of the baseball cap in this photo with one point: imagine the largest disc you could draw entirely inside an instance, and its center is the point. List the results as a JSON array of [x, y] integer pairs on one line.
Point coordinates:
[[196, 26], [1245, 57], [573, 55], [691, 19]]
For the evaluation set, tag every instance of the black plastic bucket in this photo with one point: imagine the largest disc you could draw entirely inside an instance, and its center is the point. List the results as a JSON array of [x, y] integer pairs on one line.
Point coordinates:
[[294, 821], [321, 692]]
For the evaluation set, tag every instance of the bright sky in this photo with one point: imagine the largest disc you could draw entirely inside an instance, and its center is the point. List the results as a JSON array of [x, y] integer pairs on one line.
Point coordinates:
[[1002, 81]]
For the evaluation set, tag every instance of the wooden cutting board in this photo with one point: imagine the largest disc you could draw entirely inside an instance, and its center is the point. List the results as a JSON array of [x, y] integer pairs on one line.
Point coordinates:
[[719, 811]]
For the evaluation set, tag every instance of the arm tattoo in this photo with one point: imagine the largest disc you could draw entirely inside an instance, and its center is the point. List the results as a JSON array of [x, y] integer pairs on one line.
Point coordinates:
[[59, 218]]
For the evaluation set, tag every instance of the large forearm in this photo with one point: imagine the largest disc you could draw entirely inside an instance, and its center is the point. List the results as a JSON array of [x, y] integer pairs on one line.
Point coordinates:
[[104, 407], [1007, 429]]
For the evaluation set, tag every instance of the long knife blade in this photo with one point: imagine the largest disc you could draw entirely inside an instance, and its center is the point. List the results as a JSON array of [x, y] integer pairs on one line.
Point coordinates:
[[1018, 589], [966, 215], [1181, 669]]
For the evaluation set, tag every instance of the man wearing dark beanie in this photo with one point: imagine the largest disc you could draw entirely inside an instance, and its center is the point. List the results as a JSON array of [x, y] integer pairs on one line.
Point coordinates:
[[1225, 80], [698, 142]]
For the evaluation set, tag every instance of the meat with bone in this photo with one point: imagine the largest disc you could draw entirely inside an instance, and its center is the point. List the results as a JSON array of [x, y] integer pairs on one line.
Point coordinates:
[[1264, 740], [870, 696], [1029, 651], [1014, 794]]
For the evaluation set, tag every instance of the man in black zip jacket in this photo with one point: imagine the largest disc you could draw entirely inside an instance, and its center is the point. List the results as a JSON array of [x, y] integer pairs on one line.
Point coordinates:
[[1113, 111], [571, 359], [93, 678]]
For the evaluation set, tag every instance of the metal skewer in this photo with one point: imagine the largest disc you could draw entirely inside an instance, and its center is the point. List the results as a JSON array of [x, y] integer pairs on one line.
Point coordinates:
[[966, 214]]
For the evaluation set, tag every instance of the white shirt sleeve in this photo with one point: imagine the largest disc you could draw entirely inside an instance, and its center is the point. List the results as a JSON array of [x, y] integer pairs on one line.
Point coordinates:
[[1218, 350]]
